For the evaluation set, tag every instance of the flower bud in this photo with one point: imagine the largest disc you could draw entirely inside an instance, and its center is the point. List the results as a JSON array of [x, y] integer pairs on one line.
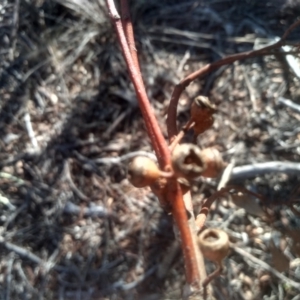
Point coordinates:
[[214, 244], [214, 162], [143, 171], [187, 161], [202, 111]]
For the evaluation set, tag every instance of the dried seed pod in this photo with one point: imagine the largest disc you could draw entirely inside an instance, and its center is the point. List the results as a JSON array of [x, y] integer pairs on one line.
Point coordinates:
[[214, 244], [202, 111], [143, 171], [187, 161], [214, 162]]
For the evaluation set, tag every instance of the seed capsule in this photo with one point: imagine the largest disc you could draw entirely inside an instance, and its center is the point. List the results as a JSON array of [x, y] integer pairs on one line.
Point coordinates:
[[214, 244], [187, 161], [202, 111], [214, 162], [142, 171]]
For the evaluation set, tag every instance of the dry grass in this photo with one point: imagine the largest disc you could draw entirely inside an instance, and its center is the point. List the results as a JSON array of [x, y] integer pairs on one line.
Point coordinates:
[[71, 225]]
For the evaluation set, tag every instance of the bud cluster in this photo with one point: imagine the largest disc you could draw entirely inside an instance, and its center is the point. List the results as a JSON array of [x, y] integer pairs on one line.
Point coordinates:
[[188, 160]]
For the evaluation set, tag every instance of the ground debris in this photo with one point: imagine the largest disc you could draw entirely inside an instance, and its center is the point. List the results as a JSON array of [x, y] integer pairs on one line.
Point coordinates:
[[71, 225]]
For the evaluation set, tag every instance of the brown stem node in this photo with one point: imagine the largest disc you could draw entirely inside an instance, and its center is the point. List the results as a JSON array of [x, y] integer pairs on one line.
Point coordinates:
[[187, 161]]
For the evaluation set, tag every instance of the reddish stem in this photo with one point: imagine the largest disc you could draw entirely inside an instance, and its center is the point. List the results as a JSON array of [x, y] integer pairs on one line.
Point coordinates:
[[213, 275], [159, 143], [180, 216], [129, 35], [179, 88], [200, 219], [176, 140], [128, 30]]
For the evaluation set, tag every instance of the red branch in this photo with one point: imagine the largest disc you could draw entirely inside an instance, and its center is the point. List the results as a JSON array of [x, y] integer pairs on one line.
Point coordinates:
[[157, 139], [180, 216], [128, 30], [172, 111]]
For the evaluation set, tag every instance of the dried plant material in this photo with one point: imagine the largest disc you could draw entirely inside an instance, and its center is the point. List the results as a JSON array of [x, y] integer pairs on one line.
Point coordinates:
[[202, 111], [249, 203], [279, 261], [214, 244], [187, 161], [246, 279], [264, 280], [293, 233], [296, 249], [214, 162], [254, 231], [142, 171], [295, 209]]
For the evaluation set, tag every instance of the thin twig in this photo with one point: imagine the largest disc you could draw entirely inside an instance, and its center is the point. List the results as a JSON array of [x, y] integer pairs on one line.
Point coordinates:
[[183, 61], [250, 89], [179, 88], [213, 275], [20, 251], [128, 30], [226, 176], [17, 180], [116, 122], [73, 186], [198, 35], [166, 263], [292, 61], [200, 219], [30, 131], [15, 26], [246, 255], [5, 201], [181, 134], [248, 171], [26, 254], [289, 104], [121, 285]]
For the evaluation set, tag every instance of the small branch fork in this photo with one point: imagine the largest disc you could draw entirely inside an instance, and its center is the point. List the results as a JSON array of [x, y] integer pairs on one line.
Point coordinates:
[[180, 87]]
